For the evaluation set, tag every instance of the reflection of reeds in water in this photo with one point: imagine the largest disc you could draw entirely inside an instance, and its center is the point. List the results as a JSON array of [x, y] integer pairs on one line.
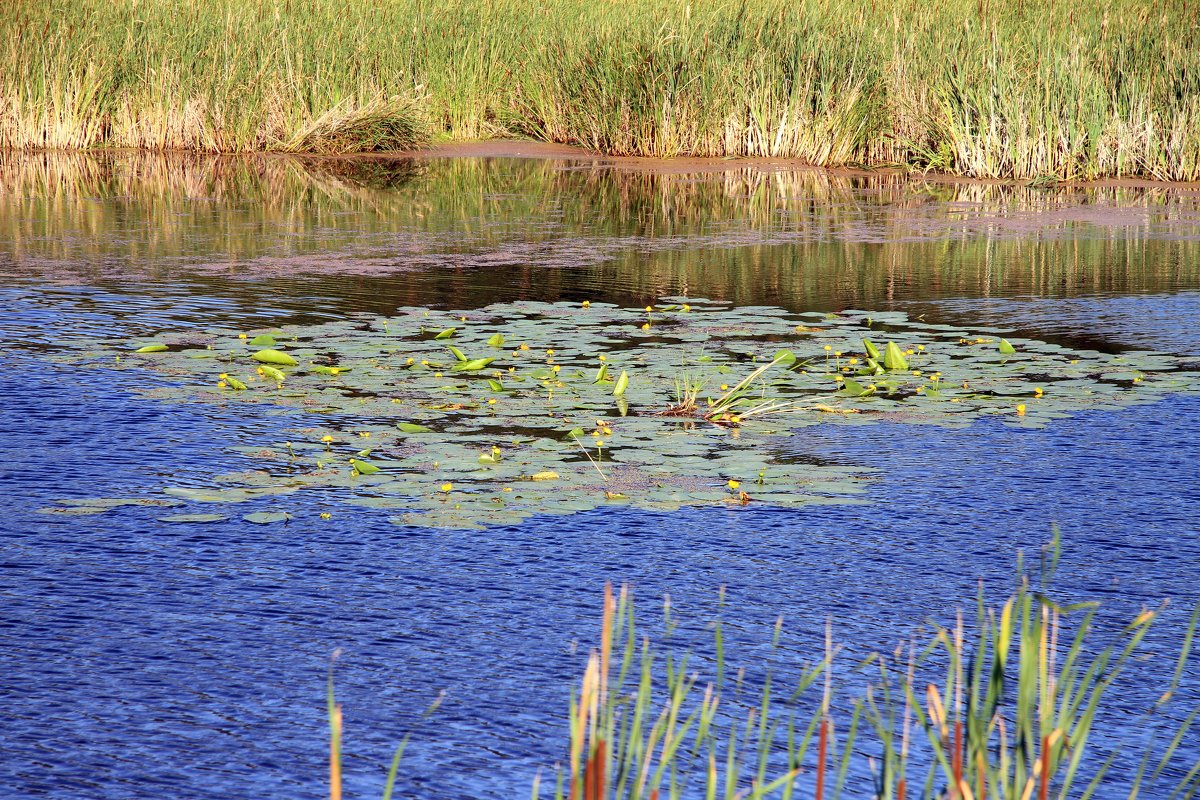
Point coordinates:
[[744, 234], [984, 89]]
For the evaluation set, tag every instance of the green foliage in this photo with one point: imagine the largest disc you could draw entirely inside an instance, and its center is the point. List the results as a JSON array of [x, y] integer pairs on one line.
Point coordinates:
[[1005, 707], [1039, 92]]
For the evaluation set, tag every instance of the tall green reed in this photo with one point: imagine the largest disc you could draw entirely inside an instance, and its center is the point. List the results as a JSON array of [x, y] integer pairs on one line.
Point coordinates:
[[1018, 90], [1006, 708]]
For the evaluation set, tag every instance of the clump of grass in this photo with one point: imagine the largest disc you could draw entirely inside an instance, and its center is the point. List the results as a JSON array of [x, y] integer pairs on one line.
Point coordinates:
[[1037, 92], [1005, 709], [743, 400]]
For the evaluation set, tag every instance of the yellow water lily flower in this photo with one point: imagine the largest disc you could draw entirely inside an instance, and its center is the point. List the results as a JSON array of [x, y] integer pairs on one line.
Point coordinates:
[[326, 515], [586, 303], [447, 487], [1021, 410], [732, 484]]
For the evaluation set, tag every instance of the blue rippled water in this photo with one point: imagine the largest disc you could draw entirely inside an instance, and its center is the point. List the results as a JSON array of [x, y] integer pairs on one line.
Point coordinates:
[[143, 660]]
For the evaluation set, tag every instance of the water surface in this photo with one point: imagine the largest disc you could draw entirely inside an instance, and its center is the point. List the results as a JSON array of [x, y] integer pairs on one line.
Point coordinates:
[[149, 660]]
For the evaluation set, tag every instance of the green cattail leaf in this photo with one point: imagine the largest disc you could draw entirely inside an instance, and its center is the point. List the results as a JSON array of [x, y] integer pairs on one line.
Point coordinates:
[[871, 350], [601, 374]]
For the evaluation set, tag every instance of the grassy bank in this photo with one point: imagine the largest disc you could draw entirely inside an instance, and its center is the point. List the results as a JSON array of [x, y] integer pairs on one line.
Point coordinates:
[[1021, 90]]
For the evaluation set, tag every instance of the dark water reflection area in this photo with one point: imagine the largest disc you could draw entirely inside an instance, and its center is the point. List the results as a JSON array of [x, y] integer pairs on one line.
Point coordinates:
[[143, 660]]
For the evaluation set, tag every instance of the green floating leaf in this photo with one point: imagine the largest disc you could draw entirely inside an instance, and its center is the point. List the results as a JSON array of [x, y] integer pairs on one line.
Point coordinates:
[[785, 358], [267, 517], [273, 373], [363, 467], [321, 369], [496, 340], [446, 334], [852, 388], [412, 427], [474, 365], [152, 348], [234, 383], [263, 340], [495, 385], [458, 354], [276, 357], [1006, 347], [194, 518], [74, 511]]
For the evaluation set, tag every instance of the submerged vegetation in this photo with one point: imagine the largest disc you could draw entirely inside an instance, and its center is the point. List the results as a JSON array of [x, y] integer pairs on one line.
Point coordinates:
[[1011, 702], [468, 419], [1018, 90]]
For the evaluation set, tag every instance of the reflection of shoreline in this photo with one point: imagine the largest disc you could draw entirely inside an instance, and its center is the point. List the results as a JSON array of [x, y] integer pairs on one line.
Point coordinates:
[[801, 237], [510, 148]]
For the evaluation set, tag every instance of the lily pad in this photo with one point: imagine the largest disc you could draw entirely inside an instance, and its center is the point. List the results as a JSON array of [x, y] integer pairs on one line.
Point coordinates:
[[267, 517], [194, 518]]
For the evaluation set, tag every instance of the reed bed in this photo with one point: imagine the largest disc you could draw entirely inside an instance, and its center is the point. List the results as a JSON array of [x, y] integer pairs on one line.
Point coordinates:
[[1019, 90], [1008, 702], [1004, 706]]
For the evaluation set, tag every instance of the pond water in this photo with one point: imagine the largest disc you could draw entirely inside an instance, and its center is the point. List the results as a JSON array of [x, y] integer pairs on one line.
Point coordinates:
[[145, 659]]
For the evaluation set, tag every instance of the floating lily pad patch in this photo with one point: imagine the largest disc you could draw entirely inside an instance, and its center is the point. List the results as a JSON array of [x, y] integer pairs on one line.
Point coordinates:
[[467, 419]]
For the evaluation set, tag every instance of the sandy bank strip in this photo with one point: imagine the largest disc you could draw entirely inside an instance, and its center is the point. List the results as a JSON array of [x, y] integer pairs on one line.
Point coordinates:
[[684, 165]]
